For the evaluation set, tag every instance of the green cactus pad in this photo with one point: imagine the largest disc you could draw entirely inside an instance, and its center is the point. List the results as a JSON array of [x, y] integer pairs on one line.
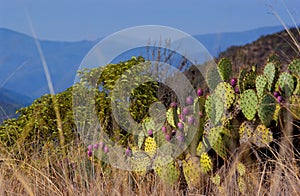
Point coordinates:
[[214, 108], [246, 131], [150, 146], [200, 148], [249, 80], [262, 136], [216, 140], [224, 69], [205, 163], [226, 93], [261, 84], [295, 106], [167, 170], [140, 162], [286, 83], [249, 103], [269, 72], [172, 117], [192, 172], [241, 169], [212, 78], [294, 67], [266, 109]]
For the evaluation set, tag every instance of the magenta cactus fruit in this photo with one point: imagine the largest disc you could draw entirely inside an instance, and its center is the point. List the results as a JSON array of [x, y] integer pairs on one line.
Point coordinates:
[[180, 125], [233, 82], [164, 129], [276, 94], [189, 100], [280, 99], [90, 147], [173, 104], [181, 117], [168, 137], [185, 111], [180, 138], [236, 90], [191, 120], [105, 150], [89, 153], [96, 146], [150, 132], [200, 92]]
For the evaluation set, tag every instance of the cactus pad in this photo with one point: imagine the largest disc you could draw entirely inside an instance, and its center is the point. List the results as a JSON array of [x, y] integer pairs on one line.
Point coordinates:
[[216, 140], [224, 69], [214, 108], [249, 103], [226, 93], [150, 146], [266, 109], [167, 170], [262, 136], [286, 83], [212, 78], [242, 74], [246, 131], [205, 163], [261, 84], [294, 67], [140, 162], [249, 80], [171, 116], [269, 72], [192, 171]]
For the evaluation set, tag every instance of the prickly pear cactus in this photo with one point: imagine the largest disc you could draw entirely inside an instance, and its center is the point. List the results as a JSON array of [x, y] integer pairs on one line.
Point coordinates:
[[214, 108], [261, 84], [269, 72], [262, 136], [286, 83], [224, 69], [140, 162], [249, 79], [226, 93], [249, 103], [150, 146], [246, 131], [212, 78], [167, 169], [294, 67], [192, 171], [216, 140], [241, 77], [205, 163], [172, 117], [266, 109]]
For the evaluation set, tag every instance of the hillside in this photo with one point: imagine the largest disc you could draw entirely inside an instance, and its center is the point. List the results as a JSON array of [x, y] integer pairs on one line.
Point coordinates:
[[257, 52]]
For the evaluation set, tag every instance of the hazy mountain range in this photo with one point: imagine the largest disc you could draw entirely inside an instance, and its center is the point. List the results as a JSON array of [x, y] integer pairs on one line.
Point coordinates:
[[22, 77]]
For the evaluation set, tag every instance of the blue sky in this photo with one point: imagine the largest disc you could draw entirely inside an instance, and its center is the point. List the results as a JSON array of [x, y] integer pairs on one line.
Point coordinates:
[[91, 19]]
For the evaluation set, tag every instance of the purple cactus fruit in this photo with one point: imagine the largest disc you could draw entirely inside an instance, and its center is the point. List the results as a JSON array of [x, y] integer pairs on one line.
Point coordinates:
[[233, 82], [164, 129], [185, 111], [279, 99], [105, 150], [180, 138], [181, 117], [89, 153], [128, 152], [173, 104], [191, 120], [150, 132], [236, 90], [276, 94], [180, 125], [96, 146], [189, 100], [168, 137], [199, 92], [90, 147]]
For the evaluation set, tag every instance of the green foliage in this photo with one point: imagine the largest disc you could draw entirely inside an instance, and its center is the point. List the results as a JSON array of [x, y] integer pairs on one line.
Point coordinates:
[[269, 72], [261, 84], [266, 109], [224, 69], [214, 108], [249, 103], [226, 93]]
